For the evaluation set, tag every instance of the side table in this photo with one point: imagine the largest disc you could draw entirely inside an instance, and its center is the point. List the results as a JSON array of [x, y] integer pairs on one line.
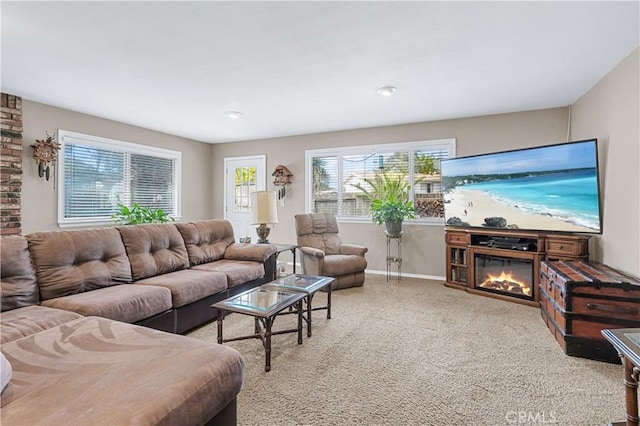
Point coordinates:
[[282, 248], [627, 342]]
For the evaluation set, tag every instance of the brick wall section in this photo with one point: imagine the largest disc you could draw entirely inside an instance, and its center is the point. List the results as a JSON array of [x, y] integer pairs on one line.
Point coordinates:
[[10, 164]]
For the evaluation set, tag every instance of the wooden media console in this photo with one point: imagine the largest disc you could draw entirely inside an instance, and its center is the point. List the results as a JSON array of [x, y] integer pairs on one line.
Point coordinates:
[[505, 264]]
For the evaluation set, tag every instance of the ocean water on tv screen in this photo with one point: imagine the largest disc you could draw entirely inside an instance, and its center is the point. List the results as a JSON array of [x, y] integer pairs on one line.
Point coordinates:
[[571, 196]]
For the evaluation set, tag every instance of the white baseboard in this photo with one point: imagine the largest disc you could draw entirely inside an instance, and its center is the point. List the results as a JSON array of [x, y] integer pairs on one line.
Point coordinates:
[[404, 274], [375, 272]]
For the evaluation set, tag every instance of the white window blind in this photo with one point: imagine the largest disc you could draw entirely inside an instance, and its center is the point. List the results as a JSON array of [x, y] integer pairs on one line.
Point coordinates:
[[333, 174], [97, 173]]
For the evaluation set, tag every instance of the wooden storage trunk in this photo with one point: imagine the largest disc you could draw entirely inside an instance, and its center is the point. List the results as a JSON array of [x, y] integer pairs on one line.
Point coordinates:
[[579, 299]]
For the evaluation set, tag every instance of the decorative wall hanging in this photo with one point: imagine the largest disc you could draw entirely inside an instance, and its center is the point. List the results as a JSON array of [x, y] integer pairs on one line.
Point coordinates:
[[282, 177], [45, 153]]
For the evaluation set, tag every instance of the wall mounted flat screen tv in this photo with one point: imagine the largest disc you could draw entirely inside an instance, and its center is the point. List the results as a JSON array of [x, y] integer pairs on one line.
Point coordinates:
[[545, 188]]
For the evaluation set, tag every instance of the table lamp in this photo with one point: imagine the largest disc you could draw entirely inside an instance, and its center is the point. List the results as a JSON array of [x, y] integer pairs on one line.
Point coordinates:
[[264, 212]]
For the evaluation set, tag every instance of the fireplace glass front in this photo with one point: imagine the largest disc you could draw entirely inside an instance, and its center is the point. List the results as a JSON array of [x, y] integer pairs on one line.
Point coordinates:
[[504, 275]]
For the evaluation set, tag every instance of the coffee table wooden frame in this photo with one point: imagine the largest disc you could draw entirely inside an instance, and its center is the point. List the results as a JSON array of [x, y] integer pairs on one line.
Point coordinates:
[[319, 283], [264, 319]]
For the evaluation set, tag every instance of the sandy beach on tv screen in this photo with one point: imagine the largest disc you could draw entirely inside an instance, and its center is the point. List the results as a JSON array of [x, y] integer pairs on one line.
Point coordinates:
[[474, 206]]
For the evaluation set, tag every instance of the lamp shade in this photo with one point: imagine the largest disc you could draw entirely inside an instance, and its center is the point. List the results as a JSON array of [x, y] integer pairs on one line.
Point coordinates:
[[263, 207]]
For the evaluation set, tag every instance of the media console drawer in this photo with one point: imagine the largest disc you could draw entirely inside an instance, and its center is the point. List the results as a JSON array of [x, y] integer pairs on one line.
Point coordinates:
[[457, 238], [559, 247], [579, 299]]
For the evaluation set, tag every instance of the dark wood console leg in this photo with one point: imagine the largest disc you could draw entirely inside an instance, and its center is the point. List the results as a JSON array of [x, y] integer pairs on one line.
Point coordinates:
[[329, 302]]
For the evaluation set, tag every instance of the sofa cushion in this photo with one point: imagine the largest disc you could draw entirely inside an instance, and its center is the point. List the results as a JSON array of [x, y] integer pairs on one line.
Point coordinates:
[[97, 371], [18, 323], [206, 240], [70, 262], [18, 285], [154, 249], [188, 285], [127, 303], [237, 271], [341, 264]]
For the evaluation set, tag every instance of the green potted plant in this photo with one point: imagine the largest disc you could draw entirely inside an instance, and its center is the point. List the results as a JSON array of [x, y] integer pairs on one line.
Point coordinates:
[[389, 197], [137, 214]]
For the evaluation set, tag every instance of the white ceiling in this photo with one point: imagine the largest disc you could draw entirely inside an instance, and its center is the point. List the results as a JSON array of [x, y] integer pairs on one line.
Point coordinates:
[[307, 67]]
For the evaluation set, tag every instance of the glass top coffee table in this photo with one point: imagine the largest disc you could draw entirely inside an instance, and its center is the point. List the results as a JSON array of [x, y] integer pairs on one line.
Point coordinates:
[[264, 304], [308, 285]]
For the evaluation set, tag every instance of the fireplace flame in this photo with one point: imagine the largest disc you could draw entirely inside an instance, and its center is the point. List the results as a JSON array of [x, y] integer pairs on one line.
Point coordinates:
[[505, 282]]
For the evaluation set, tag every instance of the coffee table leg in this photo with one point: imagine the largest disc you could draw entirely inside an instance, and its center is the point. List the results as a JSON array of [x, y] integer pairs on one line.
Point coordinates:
[[267, 345], [299, 303], [220, 319], [329, 302], [309, 298]]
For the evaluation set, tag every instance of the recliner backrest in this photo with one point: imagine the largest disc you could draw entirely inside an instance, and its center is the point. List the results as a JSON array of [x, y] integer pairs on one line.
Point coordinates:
[[318, 230]]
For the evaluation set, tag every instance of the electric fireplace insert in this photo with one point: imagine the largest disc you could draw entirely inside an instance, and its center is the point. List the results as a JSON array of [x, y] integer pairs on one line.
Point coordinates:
[[508, 276]]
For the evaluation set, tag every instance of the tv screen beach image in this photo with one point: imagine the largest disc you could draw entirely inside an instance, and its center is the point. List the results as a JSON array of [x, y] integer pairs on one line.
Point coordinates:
[[549, 188]]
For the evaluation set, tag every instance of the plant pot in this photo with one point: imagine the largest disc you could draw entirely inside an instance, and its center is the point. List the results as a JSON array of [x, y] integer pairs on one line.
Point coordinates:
[[394, 229]]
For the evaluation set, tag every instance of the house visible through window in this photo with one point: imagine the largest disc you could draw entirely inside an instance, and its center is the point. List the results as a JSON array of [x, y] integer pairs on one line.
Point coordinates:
[[94, 174], [334, 175]]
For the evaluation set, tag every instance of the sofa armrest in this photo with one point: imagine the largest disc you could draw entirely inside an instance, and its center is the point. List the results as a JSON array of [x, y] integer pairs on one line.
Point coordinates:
[[353, 249], [253, 252]]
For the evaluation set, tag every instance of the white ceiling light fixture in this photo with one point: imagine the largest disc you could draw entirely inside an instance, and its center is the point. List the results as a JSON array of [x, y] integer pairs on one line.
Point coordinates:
[[234, 114], [386, 90]]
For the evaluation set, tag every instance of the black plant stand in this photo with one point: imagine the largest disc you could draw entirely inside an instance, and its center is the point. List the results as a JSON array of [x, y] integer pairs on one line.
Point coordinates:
[[397, 259]]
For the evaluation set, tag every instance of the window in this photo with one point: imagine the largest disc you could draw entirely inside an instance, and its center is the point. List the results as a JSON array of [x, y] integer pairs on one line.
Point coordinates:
[[95, 173], [333, 176], [245, 184]]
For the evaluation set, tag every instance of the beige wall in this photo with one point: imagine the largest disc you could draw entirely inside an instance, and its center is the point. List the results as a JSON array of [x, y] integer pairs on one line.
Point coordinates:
[[423, 247], [610, 112], [39, 197]]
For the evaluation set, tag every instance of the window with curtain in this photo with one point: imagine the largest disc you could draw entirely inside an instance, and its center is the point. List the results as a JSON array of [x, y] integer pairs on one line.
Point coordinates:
[[95, 174], [333, 174]]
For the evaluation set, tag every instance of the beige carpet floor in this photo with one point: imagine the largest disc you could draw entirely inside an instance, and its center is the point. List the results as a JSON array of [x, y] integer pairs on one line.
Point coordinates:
[[417, 353]]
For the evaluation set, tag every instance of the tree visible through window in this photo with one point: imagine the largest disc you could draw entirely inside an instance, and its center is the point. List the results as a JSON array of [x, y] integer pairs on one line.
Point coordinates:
[[245, 184], [97, 173], [337, 176]]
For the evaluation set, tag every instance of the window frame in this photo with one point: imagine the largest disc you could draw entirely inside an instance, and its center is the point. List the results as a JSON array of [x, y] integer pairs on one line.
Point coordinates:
[[65, 136], [448, 144]]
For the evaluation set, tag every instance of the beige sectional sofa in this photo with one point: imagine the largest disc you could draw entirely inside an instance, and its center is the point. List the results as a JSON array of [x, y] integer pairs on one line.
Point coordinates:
[[73, 306]]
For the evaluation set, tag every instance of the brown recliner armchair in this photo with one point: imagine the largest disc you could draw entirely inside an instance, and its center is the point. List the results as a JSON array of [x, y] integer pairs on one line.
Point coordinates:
[[323, 253]]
